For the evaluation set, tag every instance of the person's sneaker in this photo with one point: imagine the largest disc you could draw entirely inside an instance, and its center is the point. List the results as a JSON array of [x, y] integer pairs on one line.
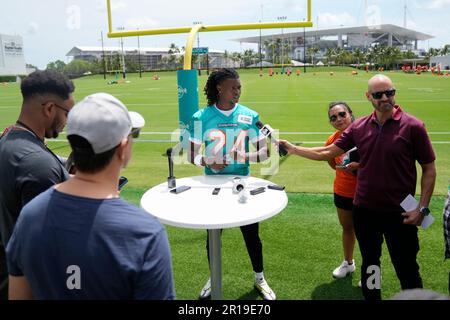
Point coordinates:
[[206, 291], [263, 288], [344, 269]]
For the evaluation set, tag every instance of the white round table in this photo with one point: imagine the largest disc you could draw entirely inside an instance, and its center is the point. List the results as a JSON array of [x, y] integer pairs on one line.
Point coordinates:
[[198, 208]]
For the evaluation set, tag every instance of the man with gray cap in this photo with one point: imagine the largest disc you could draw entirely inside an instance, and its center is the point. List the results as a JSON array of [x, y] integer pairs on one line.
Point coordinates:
[[79, 240]]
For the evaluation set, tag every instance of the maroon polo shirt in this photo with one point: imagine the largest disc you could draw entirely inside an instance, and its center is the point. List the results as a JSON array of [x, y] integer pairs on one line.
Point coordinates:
[[388, 155]]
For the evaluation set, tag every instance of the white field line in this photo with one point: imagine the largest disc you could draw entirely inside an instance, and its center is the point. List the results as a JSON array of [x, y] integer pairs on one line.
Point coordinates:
[[287, 133], [162, 133], [172, 141]]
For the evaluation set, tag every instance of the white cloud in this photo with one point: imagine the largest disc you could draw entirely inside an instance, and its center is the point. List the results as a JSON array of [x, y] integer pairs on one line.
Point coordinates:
[[438, 4], [329, 20]]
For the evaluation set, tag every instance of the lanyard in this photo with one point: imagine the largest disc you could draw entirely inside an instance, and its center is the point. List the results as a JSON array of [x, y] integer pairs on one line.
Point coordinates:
[[27, 128]]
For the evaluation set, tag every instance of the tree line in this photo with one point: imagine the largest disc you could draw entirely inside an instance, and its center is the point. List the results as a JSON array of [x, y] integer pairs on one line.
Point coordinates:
[[277, 52]]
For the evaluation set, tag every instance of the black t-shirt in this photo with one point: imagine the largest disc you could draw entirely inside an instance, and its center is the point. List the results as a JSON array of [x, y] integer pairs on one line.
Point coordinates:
[[27, 168]]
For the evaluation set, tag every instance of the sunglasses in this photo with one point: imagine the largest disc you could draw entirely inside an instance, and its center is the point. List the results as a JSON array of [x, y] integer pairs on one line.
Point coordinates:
[[66, 112], [379, 95], [135, 132], [341, 114]]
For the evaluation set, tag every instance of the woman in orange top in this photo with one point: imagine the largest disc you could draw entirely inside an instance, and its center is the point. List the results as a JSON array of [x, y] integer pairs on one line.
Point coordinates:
[[341, 116]]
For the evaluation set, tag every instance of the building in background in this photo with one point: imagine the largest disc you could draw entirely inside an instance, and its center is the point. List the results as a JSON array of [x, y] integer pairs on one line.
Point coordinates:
[[12, 59], [151, 58], [442, 61], [350, 38]]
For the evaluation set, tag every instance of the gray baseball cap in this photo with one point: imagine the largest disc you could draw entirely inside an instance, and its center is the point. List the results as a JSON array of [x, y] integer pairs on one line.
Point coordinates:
[[103, 121]]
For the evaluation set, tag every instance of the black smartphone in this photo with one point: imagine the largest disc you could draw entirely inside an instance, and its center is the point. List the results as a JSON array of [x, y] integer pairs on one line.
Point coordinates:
[[216, 191], [276, 187], [180, 189], [122, 182], [257, 191]]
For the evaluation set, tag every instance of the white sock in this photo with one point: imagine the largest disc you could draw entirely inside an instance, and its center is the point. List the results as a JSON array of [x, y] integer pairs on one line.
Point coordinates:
[[259, 276]]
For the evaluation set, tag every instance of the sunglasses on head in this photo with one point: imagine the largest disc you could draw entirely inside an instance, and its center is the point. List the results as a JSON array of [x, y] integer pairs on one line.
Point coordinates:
[[379, 95], [341, 114]]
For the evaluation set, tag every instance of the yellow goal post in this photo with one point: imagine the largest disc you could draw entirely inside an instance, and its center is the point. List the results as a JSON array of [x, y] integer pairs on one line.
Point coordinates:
[[193, 30]]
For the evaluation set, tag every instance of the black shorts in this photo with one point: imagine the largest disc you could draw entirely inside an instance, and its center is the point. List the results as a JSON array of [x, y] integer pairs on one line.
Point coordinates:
[[343, 202]]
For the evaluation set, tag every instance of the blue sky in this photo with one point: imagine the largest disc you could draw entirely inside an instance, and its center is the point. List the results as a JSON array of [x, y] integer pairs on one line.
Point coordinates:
[[51, 28]]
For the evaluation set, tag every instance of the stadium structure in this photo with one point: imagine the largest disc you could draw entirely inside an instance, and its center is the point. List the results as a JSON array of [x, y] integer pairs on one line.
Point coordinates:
[[12, 59], [150, 57], [347, 38]]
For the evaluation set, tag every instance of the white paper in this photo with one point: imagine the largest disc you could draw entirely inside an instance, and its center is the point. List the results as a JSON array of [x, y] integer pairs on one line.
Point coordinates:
[[427, 221], [411, 204]]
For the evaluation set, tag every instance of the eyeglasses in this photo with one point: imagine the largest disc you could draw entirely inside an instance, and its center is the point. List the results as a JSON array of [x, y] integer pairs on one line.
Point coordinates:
[[135, 132], [379, 95], [341, 114], [66, 112]]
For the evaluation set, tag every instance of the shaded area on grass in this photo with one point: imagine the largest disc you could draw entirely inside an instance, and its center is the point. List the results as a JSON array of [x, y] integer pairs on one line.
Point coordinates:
[[302, 246]]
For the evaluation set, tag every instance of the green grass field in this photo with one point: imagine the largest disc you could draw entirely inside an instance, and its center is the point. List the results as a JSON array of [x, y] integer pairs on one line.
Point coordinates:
[[302, 244]]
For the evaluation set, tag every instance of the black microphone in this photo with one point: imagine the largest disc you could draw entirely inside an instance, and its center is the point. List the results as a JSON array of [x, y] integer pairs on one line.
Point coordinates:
[[171, 179], [267, 131]]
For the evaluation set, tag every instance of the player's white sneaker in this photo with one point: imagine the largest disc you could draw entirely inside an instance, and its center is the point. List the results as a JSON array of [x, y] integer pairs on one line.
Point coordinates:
[[206, 291], [264, 289], [344, 269]]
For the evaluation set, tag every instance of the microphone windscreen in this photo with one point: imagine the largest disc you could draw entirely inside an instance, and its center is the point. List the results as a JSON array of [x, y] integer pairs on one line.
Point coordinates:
[[169, 152], [259, 124]]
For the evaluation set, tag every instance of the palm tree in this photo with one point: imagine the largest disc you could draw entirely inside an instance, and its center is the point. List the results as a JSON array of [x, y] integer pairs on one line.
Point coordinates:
[[359, 56], [248, 56], [237, 57], [392, 55], [432, 52], [330, 55], [311, 53], [173, 48], [409, 55], [445, 50]]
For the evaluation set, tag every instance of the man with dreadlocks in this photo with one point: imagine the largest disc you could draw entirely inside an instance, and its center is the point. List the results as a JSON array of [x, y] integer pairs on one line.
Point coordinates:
[[226, 127]]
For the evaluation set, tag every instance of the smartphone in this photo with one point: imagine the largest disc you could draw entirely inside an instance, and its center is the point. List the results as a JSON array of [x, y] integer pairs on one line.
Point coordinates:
[[216, 191], [340, 166], [275, 187], [180, 189], [257, 191], [122, 182]]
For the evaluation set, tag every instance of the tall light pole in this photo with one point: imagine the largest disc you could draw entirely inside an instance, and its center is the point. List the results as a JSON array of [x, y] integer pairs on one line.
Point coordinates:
[[260, 40], [139, 56], [124, 72], [104, 58], [282, 18], [198, 53], [304, 50]]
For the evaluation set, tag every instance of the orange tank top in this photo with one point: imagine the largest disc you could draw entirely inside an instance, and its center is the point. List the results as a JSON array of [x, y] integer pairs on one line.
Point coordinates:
[[344, 182]]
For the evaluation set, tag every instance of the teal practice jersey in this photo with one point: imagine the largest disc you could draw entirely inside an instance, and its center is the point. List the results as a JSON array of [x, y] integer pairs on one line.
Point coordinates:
[[223, 135]]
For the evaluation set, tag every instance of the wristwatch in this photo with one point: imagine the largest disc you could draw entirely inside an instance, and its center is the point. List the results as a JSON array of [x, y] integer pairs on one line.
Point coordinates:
[[425, 211]]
